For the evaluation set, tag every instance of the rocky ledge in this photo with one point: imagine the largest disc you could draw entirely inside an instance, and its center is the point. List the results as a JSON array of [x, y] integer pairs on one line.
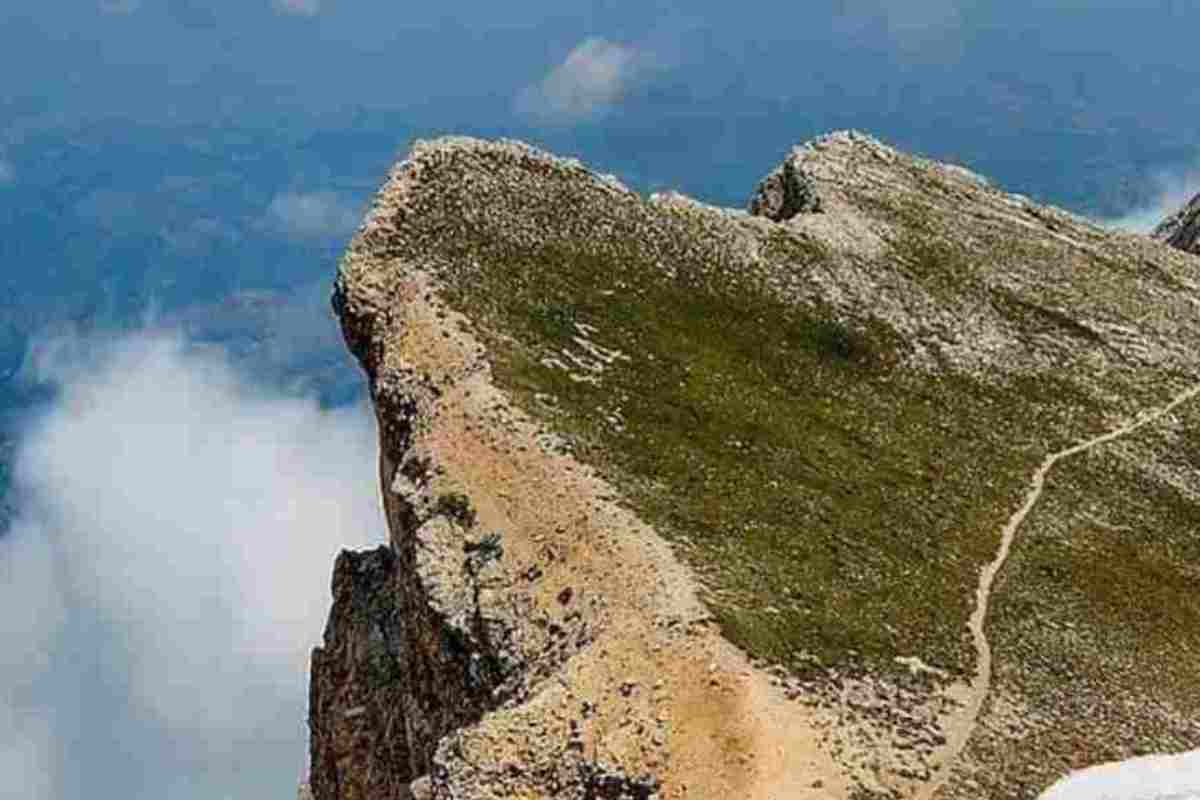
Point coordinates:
[[885, 488]]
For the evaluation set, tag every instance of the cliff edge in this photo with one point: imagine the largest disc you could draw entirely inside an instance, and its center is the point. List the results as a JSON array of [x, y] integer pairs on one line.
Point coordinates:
[[884, 488]]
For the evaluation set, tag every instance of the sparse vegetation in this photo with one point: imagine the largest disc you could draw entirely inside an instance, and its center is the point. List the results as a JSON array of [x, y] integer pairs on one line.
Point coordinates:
[[1111, 543], [834, 505]]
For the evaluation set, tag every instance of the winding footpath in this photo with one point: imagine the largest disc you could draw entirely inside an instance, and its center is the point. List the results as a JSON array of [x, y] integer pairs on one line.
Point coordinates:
[[961, 728]]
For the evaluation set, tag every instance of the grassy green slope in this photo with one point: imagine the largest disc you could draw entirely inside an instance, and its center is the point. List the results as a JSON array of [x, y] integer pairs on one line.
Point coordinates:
[[837, 501], [833, 507]]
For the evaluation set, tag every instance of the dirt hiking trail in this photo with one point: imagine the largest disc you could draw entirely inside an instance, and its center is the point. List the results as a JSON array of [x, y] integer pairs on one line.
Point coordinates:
[[962, 725]]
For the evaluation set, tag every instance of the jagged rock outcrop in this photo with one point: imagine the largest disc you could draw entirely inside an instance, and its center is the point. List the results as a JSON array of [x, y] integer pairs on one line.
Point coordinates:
[[828, 418], [408, 656], [786, 191], [390, 681], [1181, 230]]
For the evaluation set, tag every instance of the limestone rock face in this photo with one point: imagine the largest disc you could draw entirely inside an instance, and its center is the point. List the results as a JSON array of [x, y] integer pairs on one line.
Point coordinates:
[[1182, 229], [785, 192], [876, 368], [406, 660], [360, 683]]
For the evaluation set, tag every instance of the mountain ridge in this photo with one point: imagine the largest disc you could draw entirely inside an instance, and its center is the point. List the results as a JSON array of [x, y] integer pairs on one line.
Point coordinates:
[[829, 405]]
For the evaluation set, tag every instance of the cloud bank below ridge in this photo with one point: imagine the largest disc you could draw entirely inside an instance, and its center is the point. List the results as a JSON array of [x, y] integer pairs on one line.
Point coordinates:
[[162, 586]]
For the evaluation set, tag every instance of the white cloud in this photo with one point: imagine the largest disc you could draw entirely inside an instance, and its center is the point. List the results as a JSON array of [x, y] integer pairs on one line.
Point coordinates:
[[303, 8], [182, 523], [26, 756], [594, 76], [312, 214], [31, 616], [1173, 192], [1150, 778]]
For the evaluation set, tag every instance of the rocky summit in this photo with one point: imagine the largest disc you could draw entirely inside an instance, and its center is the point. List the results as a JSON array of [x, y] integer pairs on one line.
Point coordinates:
[[886, 487]]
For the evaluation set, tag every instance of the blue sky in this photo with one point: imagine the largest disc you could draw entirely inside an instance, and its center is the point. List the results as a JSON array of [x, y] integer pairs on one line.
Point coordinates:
[[1076, 83]]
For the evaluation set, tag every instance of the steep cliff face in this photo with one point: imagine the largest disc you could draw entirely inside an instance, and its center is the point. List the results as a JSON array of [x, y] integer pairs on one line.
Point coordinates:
[[887, 487], [1182, 229], [393, 678]]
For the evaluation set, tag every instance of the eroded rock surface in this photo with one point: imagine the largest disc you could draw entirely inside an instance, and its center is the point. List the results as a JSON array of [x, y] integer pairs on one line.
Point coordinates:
[[391, 679]]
